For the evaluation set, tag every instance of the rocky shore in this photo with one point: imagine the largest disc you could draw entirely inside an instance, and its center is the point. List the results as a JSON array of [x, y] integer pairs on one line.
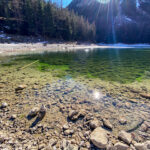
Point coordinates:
[[65, 114], [39, 111]]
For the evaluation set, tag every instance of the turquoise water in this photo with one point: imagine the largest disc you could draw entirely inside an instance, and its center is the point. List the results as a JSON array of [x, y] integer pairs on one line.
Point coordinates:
[[119, 65]]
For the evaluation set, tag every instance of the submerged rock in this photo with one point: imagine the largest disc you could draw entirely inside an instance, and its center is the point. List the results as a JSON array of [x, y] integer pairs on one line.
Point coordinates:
[[107, 124], [42, 112], [144, 95], [125, 137], [4, 105], [20, 87], [73, 115], [13, 117], [33, 112], [99, 137], [94, 123], [122, 121]]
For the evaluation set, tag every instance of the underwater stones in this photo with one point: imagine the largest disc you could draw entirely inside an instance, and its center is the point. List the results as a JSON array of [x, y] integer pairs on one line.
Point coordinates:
[[125, 137], [4, 105], [33, 112], [20, 88], [107, 124], [99, 137], [120, 146], [94, 123]]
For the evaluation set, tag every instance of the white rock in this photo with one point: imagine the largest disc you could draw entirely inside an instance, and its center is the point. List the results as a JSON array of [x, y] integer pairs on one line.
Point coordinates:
[[125, 137], [120, 146], [99, 137], [140, 146], [4, 105]]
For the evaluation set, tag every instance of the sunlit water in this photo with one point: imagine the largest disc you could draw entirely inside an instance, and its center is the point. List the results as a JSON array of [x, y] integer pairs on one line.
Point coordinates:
[[119, 65]]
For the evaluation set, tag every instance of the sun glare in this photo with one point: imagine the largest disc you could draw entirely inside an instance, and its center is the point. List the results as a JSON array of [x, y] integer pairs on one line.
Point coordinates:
[[97, 95], [104, 1]]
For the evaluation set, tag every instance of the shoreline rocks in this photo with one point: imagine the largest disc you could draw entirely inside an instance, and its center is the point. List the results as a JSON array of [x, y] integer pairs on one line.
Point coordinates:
[[125, 137], [99, 137]]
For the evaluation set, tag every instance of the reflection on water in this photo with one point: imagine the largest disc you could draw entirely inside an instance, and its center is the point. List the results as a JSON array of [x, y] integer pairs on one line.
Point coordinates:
[[121, 65]]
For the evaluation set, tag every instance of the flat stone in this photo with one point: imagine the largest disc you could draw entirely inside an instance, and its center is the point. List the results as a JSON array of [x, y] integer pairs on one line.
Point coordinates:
[[140, 146], [125, 137], [121, 146], [99, 137], [20, 87], [145, 95]]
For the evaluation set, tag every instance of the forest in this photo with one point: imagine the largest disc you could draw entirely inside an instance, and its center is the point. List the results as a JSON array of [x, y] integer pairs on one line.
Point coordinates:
[[40, 17]]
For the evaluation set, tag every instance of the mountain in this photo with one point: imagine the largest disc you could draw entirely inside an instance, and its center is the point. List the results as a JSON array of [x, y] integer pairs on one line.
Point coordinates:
[[126, 21]]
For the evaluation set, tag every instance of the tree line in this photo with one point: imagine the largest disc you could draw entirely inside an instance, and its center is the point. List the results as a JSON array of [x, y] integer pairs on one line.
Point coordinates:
[[41, 17]]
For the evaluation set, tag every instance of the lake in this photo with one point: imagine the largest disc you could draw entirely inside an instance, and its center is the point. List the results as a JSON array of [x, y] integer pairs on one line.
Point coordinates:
[[104, 83]]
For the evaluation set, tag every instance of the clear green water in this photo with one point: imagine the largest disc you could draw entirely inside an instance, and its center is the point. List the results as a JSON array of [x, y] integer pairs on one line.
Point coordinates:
[[120, 65]]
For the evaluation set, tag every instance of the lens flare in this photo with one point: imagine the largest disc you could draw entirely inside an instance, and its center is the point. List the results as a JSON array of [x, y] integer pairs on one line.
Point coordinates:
[[97, 95], [104, 1]]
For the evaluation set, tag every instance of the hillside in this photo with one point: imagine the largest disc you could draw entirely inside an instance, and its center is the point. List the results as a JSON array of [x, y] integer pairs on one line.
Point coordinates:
[[42, 18], [117, 20]]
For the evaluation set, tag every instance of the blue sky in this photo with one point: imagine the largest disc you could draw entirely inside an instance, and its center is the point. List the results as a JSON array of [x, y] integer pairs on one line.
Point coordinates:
[[65, 2]]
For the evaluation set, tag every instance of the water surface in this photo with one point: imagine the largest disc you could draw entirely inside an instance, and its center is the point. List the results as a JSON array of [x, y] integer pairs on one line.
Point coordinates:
[[119, 65]]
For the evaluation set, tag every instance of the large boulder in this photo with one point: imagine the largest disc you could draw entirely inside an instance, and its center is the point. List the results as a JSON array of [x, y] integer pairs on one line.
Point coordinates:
[[99, 137]]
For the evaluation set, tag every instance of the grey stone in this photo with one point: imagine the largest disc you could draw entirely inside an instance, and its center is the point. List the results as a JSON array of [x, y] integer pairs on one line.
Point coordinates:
[[99, 137], [120, 146], [125, 137]]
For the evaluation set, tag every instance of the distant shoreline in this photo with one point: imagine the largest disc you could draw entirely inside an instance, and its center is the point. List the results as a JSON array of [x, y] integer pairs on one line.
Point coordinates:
[[22, 48]]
